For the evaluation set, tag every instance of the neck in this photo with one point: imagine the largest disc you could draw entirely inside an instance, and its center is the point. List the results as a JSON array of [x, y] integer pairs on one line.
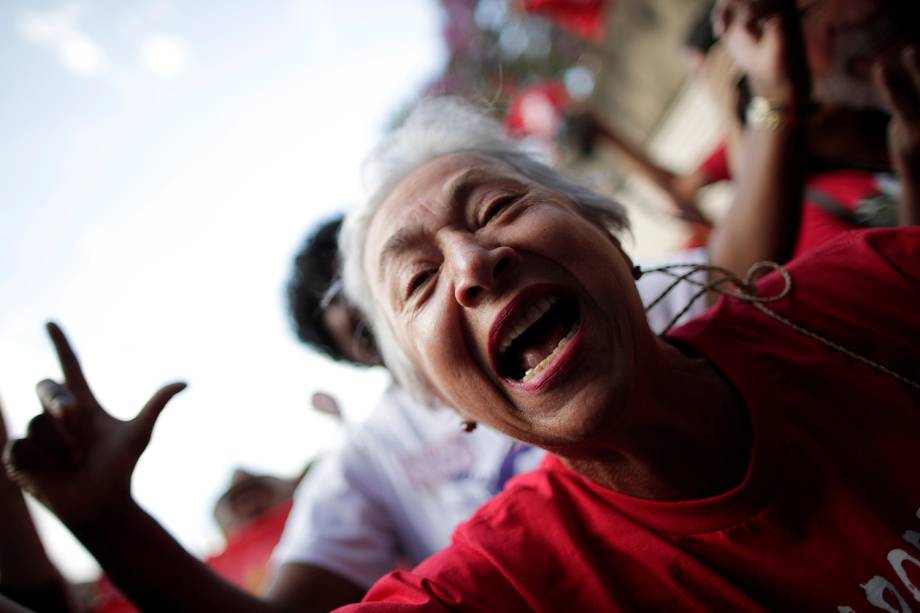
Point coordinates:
[[691, 437]]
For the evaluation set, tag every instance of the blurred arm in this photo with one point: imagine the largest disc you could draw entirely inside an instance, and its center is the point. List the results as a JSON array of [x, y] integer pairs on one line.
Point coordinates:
[[78, 460], [763, 221], [157, 574], [899, 83], [27, 576]]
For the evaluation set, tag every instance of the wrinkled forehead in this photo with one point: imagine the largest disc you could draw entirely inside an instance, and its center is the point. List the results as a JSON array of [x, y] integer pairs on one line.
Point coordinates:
[[431, 193], [435, 181]]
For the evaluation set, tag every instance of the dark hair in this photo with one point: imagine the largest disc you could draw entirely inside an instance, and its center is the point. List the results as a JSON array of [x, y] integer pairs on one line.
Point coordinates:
[[700, 35], [316, 268]]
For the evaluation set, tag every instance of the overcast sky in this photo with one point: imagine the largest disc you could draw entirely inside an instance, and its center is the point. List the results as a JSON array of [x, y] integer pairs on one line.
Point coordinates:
[[160, 163]]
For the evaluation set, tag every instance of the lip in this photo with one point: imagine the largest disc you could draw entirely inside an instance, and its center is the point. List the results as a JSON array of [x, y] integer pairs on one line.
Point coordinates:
[[563, 361]]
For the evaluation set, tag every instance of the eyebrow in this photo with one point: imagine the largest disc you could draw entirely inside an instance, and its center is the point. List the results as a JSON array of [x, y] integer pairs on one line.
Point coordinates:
[[457, 189], [402, 241]]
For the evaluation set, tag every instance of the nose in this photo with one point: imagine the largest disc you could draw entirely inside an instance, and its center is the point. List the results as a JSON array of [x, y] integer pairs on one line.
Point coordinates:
[[477, 268]]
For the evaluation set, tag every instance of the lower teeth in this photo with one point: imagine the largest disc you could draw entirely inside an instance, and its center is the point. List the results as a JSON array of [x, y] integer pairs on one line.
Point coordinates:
[[532, 372]]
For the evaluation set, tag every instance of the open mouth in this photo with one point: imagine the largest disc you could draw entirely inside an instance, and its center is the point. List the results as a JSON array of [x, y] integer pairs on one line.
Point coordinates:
[[535, 336]]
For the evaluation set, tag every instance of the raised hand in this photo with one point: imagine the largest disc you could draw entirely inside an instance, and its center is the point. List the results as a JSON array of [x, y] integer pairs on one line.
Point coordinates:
[[76, 458], [764, 38], [26, 574], [899, 83]]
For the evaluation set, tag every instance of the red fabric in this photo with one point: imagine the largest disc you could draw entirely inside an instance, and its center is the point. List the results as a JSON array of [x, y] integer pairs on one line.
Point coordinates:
[[715, 167], [831, 501], [584, 18], [107, 599], [699, 236], [817, 225], [244, 561], [847, 187], [537, 111]]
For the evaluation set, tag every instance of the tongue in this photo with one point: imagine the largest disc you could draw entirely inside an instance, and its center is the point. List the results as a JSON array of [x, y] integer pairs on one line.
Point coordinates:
[[540, 343]]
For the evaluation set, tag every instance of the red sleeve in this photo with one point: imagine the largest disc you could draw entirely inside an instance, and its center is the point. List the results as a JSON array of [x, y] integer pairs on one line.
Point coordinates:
[[901, 249], [459, 577], [401, 591], [715, 167]]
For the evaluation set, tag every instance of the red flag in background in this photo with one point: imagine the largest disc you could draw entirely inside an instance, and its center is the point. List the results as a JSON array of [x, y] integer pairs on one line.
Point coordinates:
[[244, 562], [537, 111], [584, 18]]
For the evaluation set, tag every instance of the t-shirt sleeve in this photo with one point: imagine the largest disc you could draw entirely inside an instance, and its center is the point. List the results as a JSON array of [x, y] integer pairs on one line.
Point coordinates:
[[339, 522], [460, 577], [900, 249]]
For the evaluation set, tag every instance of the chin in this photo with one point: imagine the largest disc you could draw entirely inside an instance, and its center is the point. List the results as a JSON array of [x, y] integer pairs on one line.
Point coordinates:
[[579, 419]]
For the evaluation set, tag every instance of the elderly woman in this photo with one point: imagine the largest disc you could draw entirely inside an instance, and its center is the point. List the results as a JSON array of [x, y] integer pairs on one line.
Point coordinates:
[[762, 456]]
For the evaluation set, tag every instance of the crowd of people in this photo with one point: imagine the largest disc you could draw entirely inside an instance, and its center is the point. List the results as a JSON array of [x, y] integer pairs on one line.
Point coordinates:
[[733, 428]]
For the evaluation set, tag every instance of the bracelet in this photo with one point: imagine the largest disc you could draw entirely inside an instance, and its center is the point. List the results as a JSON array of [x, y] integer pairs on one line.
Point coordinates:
[[761, 113]]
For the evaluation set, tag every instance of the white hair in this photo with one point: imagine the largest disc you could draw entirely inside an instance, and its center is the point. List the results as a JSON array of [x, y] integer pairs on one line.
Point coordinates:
[[437, 127]]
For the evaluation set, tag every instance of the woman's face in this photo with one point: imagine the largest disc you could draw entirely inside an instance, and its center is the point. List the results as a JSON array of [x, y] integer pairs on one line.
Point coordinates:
[[520, 311]]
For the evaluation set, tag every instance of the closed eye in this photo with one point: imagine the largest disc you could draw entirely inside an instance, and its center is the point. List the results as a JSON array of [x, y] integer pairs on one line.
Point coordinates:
[[418, 281], [497, 207]]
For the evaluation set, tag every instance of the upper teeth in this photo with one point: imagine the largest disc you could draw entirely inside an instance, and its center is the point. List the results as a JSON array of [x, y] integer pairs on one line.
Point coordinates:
[[526, 319]]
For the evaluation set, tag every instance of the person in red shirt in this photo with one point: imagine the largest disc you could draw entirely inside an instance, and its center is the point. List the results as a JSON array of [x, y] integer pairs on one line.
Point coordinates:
[[827, 510], [760, 458]]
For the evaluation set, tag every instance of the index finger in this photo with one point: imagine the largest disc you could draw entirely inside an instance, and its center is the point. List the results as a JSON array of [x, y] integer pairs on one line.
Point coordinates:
[[70, 365]]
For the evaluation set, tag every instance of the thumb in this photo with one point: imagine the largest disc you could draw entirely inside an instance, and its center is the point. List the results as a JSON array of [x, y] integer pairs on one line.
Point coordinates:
[[147, 418]]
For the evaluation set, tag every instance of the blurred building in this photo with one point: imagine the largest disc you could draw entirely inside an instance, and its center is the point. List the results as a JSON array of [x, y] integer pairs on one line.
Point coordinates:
[[534, 61]]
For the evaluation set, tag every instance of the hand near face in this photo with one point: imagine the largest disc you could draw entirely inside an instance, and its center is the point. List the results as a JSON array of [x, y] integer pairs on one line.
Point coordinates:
[[76, 458], [899, 83], [765, 40]]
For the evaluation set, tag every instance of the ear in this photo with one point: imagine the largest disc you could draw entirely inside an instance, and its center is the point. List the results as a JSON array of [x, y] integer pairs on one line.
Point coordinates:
[[598, 221]]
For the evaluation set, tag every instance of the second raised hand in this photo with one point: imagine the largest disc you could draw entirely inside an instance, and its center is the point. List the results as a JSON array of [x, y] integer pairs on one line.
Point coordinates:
[[765, 40]]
